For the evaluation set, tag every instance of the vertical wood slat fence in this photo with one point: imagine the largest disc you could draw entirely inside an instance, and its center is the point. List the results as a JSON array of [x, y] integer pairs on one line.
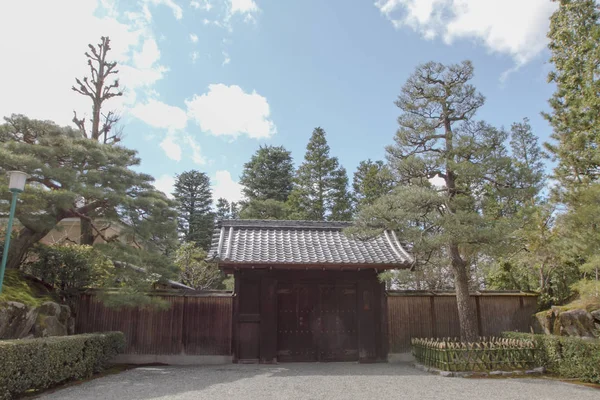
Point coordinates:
[[192, 325], [413, 314], [200, 324]]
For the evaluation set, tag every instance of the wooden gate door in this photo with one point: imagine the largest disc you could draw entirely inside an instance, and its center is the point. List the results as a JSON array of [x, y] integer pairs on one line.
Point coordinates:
[[338, 338], [297, 323], [316, 323]]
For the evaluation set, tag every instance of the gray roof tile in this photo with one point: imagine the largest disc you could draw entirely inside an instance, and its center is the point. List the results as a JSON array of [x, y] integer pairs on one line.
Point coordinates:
[[302, 242]]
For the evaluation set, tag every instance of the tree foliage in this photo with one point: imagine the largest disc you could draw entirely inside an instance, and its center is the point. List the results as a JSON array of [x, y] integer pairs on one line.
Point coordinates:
[[372, 180], [268, 175], [65, 168], [575, 118], [194, 271], [465, 218], [321, 185], [194, 197]]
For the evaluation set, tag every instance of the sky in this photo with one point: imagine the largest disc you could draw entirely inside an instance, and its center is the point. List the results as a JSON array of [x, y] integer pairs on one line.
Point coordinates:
[[209, 81]]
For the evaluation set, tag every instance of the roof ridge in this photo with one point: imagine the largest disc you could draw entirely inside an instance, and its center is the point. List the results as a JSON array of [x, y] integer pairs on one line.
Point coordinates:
[[296, 224]]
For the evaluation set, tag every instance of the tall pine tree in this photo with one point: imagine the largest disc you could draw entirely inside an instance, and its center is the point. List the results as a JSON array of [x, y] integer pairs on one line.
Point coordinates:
[[321, 185], [372, 180], [267, 179], [196, 218], [575, 118], [438, 137]]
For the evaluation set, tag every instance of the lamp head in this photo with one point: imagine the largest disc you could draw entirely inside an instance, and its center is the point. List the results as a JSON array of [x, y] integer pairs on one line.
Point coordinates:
[[16, 181]]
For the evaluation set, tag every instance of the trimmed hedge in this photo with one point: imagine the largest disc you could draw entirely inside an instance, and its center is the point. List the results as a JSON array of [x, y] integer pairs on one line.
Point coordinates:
[[44, 362], [565, 356]]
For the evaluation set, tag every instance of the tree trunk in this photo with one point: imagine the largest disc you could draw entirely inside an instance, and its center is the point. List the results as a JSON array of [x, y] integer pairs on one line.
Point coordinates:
[[21, 244], [86, 234], [467, 316]]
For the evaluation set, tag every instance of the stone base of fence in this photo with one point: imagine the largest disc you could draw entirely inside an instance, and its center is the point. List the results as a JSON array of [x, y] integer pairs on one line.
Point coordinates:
[[478, 374], [180, 359]]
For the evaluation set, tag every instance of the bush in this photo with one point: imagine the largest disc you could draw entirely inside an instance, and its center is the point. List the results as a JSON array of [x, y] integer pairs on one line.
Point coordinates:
[[567, 357], [70, 267], [44, 362]]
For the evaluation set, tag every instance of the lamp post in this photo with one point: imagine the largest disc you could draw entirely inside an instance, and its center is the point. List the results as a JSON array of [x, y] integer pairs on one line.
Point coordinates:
[[16, 184]]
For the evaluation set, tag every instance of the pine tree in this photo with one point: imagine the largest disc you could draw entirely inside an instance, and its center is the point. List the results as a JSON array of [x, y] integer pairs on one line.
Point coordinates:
[[438, 137], [268, 175], [372, 180], [196, 218], [320, 190], [575, 118], [223, 209], [65, 167]]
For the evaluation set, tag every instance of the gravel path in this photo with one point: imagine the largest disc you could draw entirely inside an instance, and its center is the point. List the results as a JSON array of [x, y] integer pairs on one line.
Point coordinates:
[[333, 381]]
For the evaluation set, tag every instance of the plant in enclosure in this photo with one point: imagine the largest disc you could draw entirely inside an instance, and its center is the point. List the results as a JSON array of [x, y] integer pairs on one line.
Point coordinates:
[[485, 354]]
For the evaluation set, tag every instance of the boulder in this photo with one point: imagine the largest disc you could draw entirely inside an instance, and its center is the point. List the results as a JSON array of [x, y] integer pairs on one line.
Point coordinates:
[[576, 322], [16, 320], [596, 315], [49, 325], [50, 308]]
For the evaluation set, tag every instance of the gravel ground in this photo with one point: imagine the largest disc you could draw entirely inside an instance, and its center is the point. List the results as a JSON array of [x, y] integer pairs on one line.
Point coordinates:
[[333, 381]]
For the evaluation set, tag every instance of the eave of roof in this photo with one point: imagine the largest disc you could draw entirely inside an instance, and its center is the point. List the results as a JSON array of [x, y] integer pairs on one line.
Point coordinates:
[[302, 244]]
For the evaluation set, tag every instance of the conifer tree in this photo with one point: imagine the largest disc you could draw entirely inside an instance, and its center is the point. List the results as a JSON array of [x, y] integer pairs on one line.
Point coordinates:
[[455, 223], [194, 197], [321, 185], [372, 180]]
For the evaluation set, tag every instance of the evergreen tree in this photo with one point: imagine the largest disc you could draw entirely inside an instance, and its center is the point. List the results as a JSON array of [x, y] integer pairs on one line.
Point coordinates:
[[264, 209], [321, 185], [196, 218], [268, 175], [267, 179], [437, 136], [575, 118], [372, 180], [66, 167], [223, 209]]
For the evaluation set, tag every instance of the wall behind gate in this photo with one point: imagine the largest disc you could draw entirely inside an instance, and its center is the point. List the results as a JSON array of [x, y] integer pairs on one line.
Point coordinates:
[[193, 325], [434, 314], [200, 324]]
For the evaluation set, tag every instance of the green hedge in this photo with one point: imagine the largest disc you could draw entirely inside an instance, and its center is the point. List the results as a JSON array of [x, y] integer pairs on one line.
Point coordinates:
[[44, 362], [567, 357]]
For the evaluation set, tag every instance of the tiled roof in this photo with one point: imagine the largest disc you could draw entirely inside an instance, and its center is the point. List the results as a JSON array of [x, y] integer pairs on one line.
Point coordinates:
[[302, 242]]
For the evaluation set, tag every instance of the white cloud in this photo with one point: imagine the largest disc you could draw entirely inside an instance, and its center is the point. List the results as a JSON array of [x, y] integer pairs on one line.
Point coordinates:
[[197, 156], [165, 184], [514, 27], [229, 111], [242, 6], [438, 181], [160, 115], [194, 38], [33, 59], [203, 4], [171, 147], [194, 56], [224, 186], [226, 58], [177, 11]]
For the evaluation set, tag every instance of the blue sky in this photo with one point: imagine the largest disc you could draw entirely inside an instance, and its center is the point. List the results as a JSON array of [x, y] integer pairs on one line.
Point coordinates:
[[208, 81]]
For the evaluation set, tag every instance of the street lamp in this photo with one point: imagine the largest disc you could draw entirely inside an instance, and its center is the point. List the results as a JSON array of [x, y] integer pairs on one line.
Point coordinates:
[[16, 184]]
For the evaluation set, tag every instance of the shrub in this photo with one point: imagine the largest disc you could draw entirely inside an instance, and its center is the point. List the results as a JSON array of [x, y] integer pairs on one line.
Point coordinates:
[[44, 362], [567, 357], [70, 267]]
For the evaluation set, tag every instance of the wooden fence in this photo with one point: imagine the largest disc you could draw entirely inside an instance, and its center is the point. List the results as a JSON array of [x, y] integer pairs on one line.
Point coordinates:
[[435, 315], [194, 324], [200, 324]]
